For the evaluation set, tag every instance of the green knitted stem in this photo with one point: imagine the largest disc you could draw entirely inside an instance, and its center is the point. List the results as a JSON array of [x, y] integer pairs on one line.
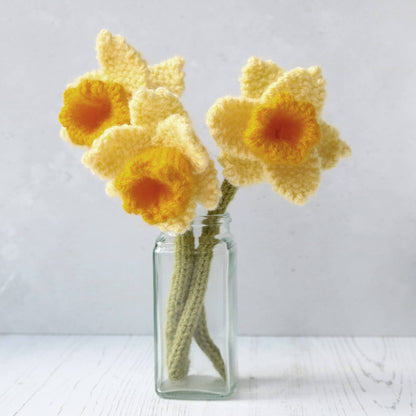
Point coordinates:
[[179, 287], [178, 357], [205, 342], [181, 277]]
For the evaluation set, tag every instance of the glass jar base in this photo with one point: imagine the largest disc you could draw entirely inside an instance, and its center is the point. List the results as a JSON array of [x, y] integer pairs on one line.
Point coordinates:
[[196, 388]]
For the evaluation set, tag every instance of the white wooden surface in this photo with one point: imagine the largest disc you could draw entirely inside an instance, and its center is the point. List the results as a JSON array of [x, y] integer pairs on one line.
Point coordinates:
[[113, 375]]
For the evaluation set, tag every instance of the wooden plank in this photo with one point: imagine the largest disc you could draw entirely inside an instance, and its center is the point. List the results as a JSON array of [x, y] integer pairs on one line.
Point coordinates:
[[113, 375]]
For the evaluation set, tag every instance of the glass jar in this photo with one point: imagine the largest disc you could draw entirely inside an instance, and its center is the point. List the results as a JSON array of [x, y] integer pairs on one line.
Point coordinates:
[[195, 311]]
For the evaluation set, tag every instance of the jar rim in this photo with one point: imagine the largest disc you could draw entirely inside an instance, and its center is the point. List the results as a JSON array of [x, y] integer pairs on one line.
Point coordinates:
[[214, 219]]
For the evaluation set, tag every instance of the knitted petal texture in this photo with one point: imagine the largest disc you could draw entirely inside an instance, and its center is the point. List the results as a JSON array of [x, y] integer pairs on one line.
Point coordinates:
[[156, 184], [273, 131], [169, 74], [302, 84], [227, 120], [191, 173], [282, 130], [182, 222], [208, 190], [139, 136], [178, 224], [121, 62], [149, 107], [114, 149], [177, 132], [241, 172], [331, 148], [257, 75], [296, 183], [181, 173]]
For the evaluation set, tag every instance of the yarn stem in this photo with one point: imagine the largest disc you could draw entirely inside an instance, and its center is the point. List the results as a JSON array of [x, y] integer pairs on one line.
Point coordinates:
[[178, 361], [207, 345], [180, 281], [179, 285]]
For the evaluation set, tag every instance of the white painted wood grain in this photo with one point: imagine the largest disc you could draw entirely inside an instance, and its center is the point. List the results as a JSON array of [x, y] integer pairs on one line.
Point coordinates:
[[113, 375]]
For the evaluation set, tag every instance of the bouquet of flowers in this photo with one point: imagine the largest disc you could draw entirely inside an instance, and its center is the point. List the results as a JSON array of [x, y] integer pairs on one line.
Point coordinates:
[[139, 138]]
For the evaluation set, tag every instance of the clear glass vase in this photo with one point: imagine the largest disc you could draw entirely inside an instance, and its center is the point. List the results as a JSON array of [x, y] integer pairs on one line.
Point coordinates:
[[195, 311]]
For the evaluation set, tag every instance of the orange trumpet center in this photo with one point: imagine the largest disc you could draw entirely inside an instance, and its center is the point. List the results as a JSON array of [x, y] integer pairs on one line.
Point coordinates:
[[91, 107], [157, 184], [282, 130]]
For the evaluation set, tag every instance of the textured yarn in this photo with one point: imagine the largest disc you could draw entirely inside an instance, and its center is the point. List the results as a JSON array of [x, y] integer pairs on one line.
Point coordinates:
[[179, 287], [156, 184], [264, 138], [169, 74], [302, 84], [241, 172], [178, 131], [111, 152], [207, 345], [282, 130], [207, 191], [91, 107], [178, 293], [188, 323], [163, 120], [149, 107], [121, 64], [296, 183], [331, 147], [166, 126], [227, 120], [257, 75]]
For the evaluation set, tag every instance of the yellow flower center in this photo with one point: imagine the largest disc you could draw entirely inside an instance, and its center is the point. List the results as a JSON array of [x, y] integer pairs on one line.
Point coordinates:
[[282, 130], [91, 107], [156, 184]]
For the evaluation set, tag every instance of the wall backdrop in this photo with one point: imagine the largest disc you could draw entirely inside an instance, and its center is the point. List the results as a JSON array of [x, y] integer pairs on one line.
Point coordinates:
[[71, 260]]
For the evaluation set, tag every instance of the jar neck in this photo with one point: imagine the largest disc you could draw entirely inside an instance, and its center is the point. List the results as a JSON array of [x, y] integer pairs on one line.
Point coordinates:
[[221, 222]]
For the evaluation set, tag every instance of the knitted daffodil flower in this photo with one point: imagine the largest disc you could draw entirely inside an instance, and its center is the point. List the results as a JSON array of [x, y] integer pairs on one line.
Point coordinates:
[[157, 165], [99, 99], [274, 131]]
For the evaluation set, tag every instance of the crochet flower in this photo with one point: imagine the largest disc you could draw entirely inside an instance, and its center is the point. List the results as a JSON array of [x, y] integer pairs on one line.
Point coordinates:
[[99, 99], [91, 107], [274, 132], [157, 165]]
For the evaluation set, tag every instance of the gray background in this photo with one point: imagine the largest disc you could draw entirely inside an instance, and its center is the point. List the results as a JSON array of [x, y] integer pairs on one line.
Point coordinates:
[[71, 261]]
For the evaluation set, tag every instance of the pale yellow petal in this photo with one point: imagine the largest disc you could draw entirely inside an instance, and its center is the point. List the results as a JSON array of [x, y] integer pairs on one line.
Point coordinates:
[[208, 191], [227, 120], [121, 62], [331, 148], [149, 107], [303, 84], [110, 152], [181, 223], [296, 183], [176, 131], [169, 74], [111, 190], [257, 75], [241, 172]]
